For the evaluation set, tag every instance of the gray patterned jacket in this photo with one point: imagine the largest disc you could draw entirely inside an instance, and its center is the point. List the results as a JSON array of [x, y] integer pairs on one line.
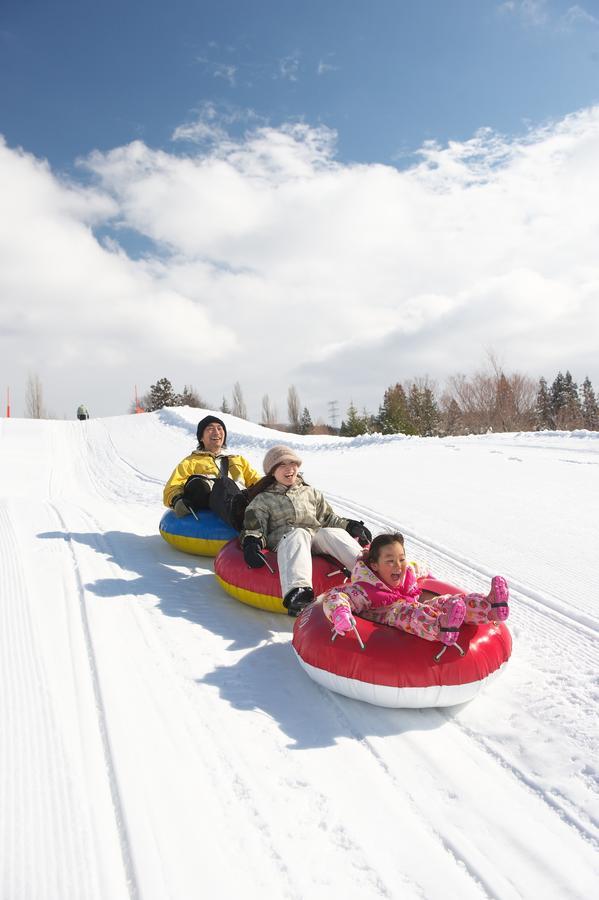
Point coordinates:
[[279, 509]]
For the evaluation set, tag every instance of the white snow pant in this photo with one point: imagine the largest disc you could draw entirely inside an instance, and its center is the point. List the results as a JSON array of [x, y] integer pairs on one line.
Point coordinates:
[[294, 554]]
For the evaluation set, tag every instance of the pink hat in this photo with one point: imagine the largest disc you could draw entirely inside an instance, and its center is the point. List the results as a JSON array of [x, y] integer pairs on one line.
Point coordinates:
[[276, 455]]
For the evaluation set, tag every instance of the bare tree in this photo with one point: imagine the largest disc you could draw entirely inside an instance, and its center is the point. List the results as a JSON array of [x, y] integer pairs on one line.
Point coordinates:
[[491, 400], [190, 397], [293, 408], [322, 428], [269, 412], [34, 401], [239, 408]]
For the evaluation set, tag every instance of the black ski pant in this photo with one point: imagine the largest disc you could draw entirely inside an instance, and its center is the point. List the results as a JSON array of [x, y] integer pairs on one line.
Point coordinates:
[[218, 496]]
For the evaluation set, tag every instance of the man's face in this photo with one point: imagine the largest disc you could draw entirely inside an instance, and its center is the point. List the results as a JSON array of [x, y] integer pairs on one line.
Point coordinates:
[[213, 437]]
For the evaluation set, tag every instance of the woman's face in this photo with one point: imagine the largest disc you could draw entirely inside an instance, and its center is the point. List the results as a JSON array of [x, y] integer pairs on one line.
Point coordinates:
[[391, 564], [286, 472]]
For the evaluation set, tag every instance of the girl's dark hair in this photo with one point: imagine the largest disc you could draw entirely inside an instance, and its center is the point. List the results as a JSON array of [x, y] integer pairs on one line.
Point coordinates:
[[380, 541]]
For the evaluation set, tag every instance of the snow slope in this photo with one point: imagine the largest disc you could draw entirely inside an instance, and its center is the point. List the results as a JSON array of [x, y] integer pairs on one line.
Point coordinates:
[[159, 739]]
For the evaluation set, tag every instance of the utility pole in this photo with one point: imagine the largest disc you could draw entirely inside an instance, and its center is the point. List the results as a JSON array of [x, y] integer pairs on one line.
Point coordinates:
[[333, 406]]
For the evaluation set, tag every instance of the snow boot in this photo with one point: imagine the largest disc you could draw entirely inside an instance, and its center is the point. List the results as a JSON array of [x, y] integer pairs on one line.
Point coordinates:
[[297, 599], [499, 598], [454, 610]]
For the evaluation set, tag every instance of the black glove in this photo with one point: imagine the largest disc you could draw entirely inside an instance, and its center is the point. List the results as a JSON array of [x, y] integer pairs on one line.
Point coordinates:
[[238, 507], [359, 531], [251, 552]]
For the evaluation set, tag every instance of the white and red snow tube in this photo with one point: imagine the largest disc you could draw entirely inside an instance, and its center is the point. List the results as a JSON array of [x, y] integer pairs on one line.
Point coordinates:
[[397, 669]]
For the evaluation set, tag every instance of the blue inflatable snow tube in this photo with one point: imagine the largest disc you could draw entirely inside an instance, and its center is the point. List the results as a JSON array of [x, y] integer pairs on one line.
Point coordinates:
[[204, 536]]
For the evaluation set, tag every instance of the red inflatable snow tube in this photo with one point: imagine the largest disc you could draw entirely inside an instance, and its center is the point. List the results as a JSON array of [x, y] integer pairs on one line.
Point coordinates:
[[397, 669]]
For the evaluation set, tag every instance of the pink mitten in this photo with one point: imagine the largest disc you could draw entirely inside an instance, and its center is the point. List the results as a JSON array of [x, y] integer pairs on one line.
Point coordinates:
[[343, 620]]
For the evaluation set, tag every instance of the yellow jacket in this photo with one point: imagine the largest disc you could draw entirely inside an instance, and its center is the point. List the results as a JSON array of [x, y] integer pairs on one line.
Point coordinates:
[[200, 462]]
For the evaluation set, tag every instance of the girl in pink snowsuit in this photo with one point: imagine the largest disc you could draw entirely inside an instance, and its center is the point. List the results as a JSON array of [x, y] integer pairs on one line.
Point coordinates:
[[384, 589]]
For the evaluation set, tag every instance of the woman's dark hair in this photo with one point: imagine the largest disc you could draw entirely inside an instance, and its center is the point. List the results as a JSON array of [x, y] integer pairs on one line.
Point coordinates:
[[260, 486], [264, 484], [380, 541]]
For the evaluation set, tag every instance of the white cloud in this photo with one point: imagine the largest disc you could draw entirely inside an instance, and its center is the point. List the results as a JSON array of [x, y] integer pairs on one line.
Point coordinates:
[[277, 264], [225, 71], [534, 12], [324, 67], [578, 16], [289, 67], [538, 13], [212, 121], [83, 317]]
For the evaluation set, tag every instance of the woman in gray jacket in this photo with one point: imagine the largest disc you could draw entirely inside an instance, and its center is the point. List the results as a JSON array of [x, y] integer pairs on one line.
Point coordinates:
[[292, 518]]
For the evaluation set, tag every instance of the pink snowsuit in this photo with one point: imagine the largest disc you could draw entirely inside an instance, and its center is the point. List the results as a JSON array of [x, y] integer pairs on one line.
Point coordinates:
[[399, 606]]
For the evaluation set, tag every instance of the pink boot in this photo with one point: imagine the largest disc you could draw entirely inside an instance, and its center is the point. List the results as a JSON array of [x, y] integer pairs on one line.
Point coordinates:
[[499, 597], [454, 610]]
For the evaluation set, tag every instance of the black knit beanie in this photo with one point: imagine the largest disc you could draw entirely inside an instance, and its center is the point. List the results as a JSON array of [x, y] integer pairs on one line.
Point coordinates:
[[208, 420]]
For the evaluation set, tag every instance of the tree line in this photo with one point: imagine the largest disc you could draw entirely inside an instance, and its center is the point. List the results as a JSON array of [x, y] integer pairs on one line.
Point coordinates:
[[163, 394], [489, 400]]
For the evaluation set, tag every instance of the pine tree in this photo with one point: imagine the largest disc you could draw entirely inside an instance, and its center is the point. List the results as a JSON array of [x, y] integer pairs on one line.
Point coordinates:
[[559, 398], [452, 418], [160, 395], [423, 412], [590, 406], [224, 407], [572, 417], [369, 422], [393, 415], [415, 409], [543, 407], [430, 415], [306, 424], [354, 424]]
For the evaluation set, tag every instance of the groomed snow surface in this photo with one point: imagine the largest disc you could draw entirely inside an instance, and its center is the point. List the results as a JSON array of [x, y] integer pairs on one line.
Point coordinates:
[[160, 740]]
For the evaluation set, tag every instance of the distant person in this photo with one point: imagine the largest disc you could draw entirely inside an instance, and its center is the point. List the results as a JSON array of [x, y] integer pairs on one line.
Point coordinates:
[[82, 412], [210, 477], [384, 588], [288, 516]]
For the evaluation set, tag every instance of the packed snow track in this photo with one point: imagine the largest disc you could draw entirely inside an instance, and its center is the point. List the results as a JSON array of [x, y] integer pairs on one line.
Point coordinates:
[[159, 740]]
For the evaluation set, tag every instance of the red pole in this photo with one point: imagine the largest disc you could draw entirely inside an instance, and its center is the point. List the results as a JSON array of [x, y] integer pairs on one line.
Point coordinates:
[[8, 403]]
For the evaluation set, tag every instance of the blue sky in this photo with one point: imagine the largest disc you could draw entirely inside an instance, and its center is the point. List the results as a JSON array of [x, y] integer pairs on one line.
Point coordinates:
[[386, 74], [255, 113]]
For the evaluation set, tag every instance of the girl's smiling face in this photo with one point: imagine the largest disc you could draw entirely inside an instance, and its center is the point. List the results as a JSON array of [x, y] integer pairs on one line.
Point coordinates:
[[286, 472], [391, 564]]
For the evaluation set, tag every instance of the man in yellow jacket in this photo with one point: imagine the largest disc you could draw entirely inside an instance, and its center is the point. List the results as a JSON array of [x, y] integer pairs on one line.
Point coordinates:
[[192, 485]]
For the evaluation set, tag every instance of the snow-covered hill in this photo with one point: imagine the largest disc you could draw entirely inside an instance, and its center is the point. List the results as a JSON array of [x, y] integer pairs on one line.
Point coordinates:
[[159, 739]]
